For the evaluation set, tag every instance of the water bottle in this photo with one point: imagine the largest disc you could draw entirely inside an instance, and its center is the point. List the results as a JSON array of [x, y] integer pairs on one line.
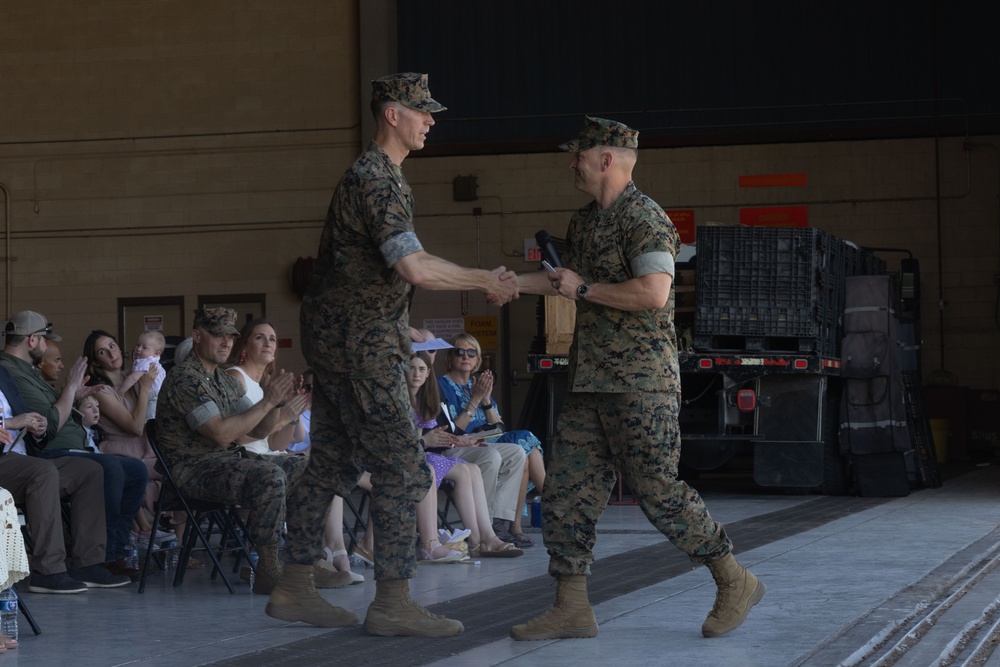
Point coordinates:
[[132, 554], [253, 566], [8, 613], [172, 555], [536, 512]]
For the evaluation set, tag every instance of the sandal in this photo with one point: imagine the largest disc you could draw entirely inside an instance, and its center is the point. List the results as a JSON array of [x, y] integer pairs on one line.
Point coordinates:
[[439, 554], [195, 564], [521, 541], [508, 550], [342, 553], [367, 557]]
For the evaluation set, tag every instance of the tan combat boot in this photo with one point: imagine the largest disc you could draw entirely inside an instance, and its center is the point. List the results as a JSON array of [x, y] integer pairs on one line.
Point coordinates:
[[738, 590], [268, 570], [570, 617], [394, 614], [327, 576], [295, 599]]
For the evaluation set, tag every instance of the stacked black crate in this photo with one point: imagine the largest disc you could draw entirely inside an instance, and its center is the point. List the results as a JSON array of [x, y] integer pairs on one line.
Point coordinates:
[[768, 289]]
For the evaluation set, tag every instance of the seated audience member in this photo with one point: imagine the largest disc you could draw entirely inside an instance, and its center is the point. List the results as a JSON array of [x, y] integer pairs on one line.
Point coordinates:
[[251, 362], [124, 478], [203, 412], [145, 358], [333, 535], [431, 549], [14, 565], [470, 407], [123, 419], [51, 365], [90, 413], [469, 495], [300, 436], [38, 486]]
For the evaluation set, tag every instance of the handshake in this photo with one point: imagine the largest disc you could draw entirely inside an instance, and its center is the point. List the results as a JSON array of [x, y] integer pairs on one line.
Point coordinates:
[[503, 288]]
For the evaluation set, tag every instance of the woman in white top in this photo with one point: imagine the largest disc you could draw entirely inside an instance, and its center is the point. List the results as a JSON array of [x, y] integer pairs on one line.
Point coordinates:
[[251, 362]]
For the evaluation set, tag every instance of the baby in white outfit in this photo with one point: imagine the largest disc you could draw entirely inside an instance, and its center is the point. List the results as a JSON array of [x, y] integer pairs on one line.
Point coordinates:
[[147, 352]]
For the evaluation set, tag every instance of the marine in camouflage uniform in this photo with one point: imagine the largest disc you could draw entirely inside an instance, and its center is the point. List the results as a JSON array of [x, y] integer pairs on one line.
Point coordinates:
[[355, 325], [621, 412], [624, 384], [191, 396]]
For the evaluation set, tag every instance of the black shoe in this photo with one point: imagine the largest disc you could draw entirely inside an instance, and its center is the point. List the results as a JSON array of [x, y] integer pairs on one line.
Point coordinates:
[[59, 583], [119, 567], [96, 576], [502, 528]]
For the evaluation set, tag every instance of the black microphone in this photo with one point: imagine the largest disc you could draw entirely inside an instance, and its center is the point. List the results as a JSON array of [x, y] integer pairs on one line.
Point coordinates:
[[544, 241]]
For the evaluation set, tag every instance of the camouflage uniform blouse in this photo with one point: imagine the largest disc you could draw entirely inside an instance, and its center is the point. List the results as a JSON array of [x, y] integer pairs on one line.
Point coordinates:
[[189, 398], [615, 351], [355, 313]]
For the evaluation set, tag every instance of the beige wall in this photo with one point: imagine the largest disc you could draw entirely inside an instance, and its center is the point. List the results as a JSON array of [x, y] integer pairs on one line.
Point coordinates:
[[151, 152]]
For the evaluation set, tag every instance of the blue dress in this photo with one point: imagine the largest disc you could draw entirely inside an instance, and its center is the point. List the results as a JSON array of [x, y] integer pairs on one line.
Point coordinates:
[[457, 396]]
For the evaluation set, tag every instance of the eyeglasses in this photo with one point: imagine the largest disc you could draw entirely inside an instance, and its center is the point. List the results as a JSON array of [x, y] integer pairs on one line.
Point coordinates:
[[462, 352]]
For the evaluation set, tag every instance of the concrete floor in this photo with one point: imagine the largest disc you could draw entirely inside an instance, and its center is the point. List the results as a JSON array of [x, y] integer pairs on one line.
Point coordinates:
[[848, 579]]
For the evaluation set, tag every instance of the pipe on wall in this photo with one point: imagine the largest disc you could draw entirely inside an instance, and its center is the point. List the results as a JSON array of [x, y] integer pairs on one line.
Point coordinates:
[[7, 259]]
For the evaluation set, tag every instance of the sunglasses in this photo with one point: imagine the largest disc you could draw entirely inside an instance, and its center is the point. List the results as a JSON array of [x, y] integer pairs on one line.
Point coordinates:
[[460, 352], [46, 330]]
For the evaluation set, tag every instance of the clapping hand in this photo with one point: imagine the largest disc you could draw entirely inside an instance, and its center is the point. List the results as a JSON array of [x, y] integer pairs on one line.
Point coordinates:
[[280, 388], [76, 381], [294, 407], [482, 388]]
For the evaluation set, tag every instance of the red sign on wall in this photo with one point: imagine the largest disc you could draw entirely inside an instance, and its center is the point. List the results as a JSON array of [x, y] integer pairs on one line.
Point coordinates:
[[775, 216], [684, 222], [773, 180]]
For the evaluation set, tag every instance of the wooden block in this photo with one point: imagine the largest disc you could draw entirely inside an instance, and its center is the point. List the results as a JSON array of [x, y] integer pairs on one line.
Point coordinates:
[[560, 318]]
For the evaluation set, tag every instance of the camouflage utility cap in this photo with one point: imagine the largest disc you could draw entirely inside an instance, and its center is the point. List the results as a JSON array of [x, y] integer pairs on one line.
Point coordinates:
[[216, 321], [407, 88], [602, 132], [29, 322]]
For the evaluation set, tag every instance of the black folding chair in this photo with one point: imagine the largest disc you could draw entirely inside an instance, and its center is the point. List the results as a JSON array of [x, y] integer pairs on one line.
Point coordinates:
[[27, 614], [448, 488], [355, 527], [219, 515]]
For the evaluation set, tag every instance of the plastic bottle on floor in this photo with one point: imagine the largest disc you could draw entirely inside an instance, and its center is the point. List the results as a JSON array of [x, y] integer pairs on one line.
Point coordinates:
[[132, 553], [8, 613], [172, 555], [253, 569]]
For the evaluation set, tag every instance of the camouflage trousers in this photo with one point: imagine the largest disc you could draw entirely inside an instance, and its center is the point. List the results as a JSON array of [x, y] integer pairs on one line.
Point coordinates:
[[259, 483], [636, 434], [362, 424]]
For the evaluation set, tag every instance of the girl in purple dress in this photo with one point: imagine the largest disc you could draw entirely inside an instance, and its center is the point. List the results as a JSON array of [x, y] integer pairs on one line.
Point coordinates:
[[469, 495]]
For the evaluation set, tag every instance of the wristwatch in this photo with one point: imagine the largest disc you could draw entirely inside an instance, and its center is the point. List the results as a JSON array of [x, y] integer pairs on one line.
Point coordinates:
[[582, 290]]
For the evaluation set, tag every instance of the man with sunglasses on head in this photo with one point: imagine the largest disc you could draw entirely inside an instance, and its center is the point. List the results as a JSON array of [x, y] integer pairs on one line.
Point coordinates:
[[355, 336], [25, 337]]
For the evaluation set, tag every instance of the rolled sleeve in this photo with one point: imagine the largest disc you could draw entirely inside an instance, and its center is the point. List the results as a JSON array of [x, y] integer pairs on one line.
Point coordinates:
[[653, 262], [399, 246]]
